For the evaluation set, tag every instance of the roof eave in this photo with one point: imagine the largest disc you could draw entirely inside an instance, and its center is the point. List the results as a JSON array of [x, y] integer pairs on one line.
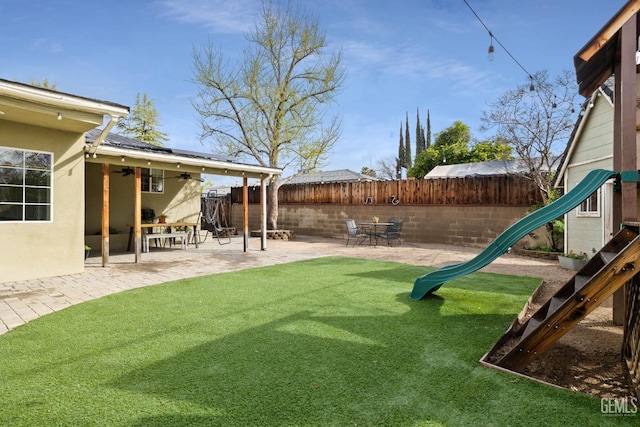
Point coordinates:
[[214, 167], [60, 100]]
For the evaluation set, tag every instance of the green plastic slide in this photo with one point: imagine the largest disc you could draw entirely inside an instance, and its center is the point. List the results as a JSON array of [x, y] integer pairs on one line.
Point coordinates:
[[431, 282]]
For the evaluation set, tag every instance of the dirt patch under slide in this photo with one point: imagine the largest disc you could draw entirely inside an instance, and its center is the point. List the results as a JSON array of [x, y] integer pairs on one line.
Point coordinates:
[[587, 359]]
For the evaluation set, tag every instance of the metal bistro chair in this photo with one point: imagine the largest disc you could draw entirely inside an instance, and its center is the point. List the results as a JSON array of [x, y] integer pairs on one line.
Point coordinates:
[[353, 232], [393, 231]]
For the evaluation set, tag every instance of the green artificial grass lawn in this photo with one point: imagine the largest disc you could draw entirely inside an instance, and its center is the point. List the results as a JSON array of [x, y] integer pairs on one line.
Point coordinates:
[[331, 341]]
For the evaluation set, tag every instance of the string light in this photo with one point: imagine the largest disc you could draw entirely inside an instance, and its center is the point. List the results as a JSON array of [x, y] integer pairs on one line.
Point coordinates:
[[493, 37], [532, 87], [491, 48]]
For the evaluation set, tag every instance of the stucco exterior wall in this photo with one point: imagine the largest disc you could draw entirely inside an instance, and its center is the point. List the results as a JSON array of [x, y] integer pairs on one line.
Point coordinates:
[[458, 225], [43, 249], [180, 201]]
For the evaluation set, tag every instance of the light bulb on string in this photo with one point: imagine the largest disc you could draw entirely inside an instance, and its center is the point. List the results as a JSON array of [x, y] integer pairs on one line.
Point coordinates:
[[492, 49]]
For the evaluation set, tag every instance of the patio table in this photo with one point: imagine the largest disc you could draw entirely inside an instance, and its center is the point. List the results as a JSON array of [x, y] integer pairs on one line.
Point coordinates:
[[168, 225], [373, 234]]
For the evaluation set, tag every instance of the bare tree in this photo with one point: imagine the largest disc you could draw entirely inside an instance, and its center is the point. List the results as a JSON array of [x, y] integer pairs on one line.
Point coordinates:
[[386, 168], [271, 105], [536, 119]]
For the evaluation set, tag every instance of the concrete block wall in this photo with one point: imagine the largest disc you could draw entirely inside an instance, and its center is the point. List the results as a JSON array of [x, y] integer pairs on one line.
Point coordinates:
[[458, 225]]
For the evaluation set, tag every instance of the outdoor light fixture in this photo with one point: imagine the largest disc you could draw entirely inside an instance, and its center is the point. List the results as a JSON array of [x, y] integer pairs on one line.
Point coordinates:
[[491, 48], [95, 155], [178, 165], [148, 162], [122, 159], [59, 116]]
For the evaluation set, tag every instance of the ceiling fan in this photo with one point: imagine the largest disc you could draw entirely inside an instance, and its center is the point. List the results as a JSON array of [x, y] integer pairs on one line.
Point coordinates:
[[187, 176], [126, 171]]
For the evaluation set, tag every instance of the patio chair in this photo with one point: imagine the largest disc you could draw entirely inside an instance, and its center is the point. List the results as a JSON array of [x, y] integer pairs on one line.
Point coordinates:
[[392, 232], [353, 232]]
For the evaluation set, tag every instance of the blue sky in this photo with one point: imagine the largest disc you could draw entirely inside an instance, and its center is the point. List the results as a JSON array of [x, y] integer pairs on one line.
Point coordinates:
[[399, 56]]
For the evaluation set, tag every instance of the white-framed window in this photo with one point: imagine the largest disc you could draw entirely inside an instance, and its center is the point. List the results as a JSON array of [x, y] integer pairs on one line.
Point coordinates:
[[152, 180], [590, 207], [25, 185]]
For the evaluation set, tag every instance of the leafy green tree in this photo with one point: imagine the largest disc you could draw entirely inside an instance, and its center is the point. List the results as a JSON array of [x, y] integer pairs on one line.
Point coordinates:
[[451, 146], [143, 121], [271, 105], [490, 150]]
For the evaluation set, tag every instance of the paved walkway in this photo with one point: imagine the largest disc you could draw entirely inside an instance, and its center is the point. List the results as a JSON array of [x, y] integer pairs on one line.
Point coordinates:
[[21, 302]]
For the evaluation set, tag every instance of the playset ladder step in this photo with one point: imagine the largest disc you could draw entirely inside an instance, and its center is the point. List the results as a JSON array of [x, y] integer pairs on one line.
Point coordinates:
[[606, 272], [580, 281], [608, 256], [555, 304], [532, 325]]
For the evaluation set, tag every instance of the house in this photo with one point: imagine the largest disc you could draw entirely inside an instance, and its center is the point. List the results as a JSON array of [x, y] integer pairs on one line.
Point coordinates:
[[64, 177], [590, 225], [320, 177]]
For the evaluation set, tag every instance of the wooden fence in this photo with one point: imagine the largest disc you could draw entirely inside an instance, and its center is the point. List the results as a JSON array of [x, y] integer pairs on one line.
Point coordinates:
[[503, 190]]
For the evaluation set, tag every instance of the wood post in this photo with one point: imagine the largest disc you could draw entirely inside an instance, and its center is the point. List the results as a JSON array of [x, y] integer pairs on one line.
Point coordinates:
[[263, 214], [245, 213], [105, 214], [137, 212], [625, 202]]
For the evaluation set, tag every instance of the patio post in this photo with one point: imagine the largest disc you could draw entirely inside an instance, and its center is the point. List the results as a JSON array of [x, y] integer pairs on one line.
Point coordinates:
[[137, 212], [245, 213], [263, 214], [105, 214]]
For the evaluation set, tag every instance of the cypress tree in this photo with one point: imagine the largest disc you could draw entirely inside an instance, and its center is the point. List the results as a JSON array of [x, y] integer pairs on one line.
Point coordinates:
[[428, 143], [401, 154], [407, 145], [419, 134]]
